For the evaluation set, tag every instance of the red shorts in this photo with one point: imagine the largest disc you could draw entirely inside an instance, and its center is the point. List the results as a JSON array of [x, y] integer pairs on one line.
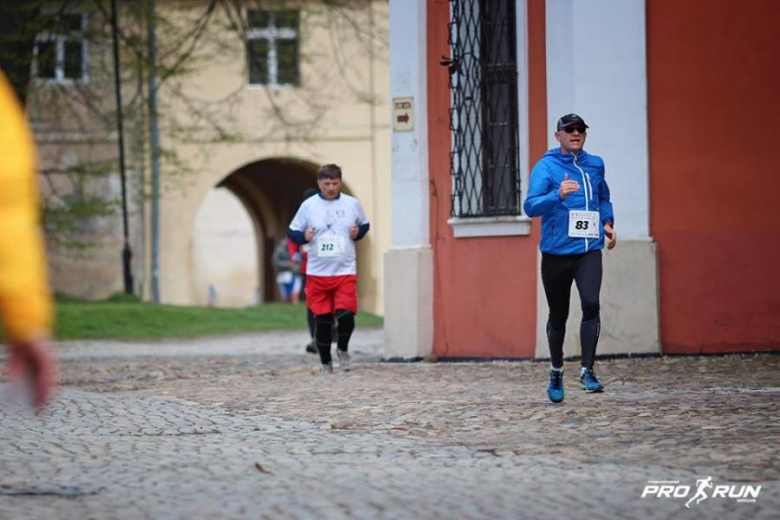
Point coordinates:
[[325, 294]]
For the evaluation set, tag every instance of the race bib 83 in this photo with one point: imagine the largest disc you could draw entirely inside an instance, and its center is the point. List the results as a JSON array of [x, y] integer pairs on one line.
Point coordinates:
[[584, 224]]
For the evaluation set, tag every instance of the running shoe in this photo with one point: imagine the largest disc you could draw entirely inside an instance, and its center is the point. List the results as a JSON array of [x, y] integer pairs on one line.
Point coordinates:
[[555, 387], [326, 369], [345, 360], [589, 383], [311, 348]]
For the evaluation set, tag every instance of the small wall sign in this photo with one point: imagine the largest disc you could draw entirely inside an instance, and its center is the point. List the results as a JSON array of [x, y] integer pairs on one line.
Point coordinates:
[[403, 114]]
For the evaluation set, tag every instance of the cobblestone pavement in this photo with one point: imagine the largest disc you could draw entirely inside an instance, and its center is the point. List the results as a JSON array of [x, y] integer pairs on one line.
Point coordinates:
[[245, 427]]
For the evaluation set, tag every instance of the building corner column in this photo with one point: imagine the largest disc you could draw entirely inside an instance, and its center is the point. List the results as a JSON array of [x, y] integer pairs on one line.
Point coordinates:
[[409, 262]]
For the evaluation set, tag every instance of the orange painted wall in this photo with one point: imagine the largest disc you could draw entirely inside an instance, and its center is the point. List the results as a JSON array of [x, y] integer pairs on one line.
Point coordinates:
[[484, 288], [714, 108]]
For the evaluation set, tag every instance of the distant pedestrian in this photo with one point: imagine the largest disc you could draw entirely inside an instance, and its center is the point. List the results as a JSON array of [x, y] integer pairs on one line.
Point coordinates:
[[331, 223], [25, 302], [569, 191], [288, 276]]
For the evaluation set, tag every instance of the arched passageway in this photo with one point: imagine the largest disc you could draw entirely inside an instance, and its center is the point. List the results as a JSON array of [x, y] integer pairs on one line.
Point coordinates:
[[270, 192]]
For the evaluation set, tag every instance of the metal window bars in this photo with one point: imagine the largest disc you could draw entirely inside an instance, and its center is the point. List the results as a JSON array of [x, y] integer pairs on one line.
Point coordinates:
[[484, 159]]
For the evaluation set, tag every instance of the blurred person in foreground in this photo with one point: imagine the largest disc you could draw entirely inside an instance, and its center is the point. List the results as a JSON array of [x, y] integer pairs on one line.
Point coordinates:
[[25, 301]]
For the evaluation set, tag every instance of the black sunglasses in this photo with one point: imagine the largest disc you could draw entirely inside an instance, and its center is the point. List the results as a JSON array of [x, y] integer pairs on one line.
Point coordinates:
[[572, 129]]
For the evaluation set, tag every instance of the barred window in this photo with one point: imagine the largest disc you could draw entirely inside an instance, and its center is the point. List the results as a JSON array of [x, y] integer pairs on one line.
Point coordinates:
[[272, 47], [60, 52], [484, 114]]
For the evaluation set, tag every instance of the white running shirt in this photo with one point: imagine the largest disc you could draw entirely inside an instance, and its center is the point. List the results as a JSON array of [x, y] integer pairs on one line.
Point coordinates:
[[331, 251]]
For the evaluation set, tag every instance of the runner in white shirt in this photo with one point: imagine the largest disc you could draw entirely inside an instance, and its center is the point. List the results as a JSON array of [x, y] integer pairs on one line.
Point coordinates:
[[331, 222]]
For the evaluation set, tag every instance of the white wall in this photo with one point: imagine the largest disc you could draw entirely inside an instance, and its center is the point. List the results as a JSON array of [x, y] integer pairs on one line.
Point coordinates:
[[408, 78], [225, 251], [596, 67]]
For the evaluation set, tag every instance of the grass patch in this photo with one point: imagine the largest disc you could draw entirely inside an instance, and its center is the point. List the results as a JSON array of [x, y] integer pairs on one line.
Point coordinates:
[[123, 318]]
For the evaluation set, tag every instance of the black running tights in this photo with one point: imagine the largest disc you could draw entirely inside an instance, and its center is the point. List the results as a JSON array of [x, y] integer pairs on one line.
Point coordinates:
[[558, 273], [345, 321]]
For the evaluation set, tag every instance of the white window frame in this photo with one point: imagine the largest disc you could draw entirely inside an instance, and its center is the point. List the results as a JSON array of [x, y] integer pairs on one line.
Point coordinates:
[[513, 225], [59, 40], [272, 34]]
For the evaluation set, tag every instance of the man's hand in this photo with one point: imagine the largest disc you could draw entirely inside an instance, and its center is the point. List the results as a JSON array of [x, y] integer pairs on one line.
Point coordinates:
[[611, 235], [567, 186], [32, 361], [353, 232], [309, 234]]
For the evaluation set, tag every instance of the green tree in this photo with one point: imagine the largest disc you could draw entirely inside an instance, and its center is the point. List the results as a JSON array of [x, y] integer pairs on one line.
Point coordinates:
[[81, 206]]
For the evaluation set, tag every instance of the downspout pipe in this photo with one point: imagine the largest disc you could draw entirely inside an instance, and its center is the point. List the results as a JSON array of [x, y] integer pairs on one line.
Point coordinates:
[[155, 150]]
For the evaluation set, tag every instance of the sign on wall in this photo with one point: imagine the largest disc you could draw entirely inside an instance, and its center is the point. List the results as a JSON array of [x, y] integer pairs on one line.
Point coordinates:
[[403, 114]]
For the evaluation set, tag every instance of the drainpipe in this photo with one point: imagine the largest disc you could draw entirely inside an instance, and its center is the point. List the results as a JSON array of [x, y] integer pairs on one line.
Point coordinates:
[[155, 149]]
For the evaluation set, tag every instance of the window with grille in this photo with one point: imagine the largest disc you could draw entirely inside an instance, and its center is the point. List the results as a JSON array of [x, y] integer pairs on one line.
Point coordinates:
[[272, 47], [60, 53], [484, 114]]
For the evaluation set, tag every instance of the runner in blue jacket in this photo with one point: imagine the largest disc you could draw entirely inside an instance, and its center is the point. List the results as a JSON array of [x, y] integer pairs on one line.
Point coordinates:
[[569, 191]]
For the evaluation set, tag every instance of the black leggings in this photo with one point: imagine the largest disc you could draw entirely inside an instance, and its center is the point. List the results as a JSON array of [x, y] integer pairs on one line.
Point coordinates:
[[345, 324], [558, 272]]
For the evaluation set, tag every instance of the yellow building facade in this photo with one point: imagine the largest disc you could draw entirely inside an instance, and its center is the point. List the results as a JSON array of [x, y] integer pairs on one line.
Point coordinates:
[[268, 93]]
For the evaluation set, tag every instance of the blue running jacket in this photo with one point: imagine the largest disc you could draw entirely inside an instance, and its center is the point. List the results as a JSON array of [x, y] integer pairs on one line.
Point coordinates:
[[544, 201]]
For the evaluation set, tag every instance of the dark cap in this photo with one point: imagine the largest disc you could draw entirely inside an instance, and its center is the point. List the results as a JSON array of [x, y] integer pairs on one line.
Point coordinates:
[[571, 119]]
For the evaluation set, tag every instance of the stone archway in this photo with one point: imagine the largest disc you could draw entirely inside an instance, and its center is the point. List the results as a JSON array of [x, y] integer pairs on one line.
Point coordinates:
[[270, 191]]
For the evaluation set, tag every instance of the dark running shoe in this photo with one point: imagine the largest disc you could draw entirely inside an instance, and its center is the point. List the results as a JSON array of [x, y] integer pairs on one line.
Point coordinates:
[[589, 383], [555, 387], [311, 348]]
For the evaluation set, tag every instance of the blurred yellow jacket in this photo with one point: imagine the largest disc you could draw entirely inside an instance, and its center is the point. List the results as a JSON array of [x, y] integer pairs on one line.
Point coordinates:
[[25, 301]]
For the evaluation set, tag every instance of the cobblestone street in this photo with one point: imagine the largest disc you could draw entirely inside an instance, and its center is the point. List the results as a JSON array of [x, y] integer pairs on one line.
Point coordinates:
[[246, 427]]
